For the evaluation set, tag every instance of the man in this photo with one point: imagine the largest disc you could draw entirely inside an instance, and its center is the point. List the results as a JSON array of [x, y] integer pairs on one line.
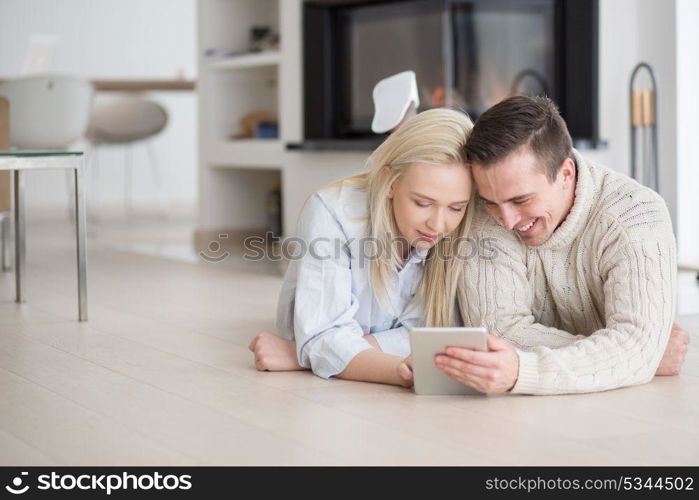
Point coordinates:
[[579, 294]]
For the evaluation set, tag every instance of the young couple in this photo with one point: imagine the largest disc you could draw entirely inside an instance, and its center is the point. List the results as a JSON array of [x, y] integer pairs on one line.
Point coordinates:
[[578, 294]]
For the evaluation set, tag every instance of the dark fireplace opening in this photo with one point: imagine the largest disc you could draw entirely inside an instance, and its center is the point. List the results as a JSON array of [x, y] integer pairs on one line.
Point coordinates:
[[468, 54]]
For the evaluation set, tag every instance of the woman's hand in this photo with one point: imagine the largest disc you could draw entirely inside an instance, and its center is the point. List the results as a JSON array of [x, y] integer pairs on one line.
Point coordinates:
[[274, 354], [405, 371], [676, 350]]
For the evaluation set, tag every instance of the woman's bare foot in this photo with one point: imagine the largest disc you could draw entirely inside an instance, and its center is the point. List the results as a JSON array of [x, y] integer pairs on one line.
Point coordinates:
[[274, 354]]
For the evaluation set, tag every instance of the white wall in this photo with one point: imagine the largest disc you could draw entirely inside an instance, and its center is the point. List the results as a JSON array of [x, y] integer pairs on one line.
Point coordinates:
[[120, 39], [665, 35], [617, 57], [657, 46], [688, 130], [632, 31]]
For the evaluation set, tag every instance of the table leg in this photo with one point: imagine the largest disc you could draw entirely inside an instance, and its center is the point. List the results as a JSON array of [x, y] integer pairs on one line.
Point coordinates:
[[80, 230], [20, 240]]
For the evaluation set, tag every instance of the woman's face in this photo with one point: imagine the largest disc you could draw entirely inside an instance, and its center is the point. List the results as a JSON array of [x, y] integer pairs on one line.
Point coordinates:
[[429, 201]]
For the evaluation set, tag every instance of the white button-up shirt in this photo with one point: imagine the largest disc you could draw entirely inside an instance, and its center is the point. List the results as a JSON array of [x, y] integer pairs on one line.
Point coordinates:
[[327, 303]]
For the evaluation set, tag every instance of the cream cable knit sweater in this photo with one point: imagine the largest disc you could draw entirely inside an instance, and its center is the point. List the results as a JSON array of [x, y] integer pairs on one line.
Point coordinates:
[[592, 308]]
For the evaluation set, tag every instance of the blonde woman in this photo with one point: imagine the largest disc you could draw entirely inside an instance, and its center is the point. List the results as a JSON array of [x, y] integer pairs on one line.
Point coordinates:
[[374, 259]]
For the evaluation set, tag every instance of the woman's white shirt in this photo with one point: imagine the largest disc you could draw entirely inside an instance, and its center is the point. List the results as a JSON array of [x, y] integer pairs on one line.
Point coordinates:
[[327, 303]]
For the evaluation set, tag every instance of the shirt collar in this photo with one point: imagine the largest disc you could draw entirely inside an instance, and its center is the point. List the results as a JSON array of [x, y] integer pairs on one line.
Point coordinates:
[[418, 256]]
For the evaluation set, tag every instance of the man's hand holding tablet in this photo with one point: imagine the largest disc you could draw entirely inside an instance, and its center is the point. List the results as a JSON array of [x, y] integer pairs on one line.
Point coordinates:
[[460, 361]]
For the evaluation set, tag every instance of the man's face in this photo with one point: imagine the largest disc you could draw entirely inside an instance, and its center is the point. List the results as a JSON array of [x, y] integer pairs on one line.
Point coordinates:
[[518, 193]]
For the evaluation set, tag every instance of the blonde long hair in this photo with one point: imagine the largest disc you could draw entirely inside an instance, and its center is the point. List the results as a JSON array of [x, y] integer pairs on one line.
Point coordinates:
[[436, 136]]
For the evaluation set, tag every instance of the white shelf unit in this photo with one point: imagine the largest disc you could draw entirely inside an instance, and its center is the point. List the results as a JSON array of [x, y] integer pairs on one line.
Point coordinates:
[[258, 153], [236, 173], [269, 58], [234, 93]]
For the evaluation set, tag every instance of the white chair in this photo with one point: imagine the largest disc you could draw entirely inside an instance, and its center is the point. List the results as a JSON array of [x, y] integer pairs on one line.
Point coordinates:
[[126, 121], [395, 99], [46, 112]]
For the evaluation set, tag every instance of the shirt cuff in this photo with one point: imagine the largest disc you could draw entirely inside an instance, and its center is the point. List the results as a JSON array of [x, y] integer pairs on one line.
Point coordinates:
[[330, 353], [528, 377], [394, 341]]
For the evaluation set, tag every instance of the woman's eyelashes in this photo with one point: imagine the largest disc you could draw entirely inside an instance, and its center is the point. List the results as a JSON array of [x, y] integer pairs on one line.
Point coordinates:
[[424, 204]]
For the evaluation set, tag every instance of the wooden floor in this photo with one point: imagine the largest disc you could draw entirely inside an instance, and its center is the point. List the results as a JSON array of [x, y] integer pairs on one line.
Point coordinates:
[[161, 375]]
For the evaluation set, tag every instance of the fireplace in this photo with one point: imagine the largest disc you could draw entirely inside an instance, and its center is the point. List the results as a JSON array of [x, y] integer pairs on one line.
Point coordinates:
[[468, 54]]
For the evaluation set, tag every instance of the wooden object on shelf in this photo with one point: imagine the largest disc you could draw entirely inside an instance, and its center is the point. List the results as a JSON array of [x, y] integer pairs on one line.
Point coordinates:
[[116, 85], [143, 85], [251, 120]]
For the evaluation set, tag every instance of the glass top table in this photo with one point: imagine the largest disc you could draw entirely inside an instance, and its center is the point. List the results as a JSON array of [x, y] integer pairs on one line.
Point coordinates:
[[35, 152], [19, 160]]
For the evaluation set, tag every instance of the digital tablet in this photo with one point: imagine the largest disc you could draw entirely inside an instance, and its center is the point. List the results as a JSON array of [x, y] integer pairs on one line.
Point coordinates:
[[425, 343]]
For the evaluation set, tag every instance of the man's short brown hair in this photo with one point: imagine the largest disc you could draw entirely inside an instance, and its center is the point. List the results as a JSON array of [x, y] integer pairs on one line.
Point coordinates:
[[521, 121]]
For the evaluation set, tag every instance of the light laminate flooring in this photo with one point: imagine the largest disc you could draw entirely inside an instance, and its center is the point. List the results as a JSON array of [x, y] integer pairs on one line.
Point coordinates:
[[161, 375]]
